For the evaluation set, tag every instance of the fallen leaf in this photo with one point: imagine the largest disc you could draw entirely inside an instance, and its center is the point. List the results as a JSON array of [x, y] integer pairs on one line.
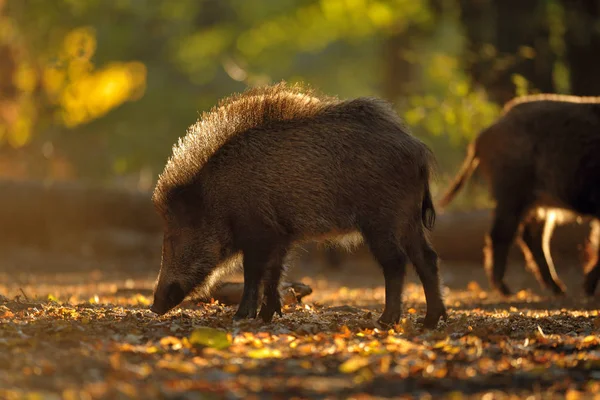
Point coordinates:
[[353, 364], [210, 337], [589, 339], [455, 395], [264, 352], [572, 395], [53, 299], [171, 342]]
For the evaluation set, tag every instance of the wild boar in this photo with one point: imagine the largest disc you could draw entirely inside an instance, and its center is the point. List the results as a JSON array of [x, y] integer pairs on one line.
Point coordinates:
[[279, 165], [541, 157]]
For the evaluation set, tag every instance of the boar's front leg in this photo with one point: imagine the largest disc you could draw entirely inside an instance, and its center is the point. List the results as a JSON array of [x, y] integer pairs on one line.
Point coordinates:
[[254, 268], [592, 274], [260, 261], [272, 296]]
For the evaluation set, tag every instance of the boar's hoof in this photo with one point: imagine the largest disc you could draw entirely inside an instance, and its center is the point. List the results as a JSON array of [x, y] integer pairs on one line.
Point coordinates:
[[269, 309], [244, 312], [431, 320], [502, 288], [558, 291], [390, 318], [589, 286]]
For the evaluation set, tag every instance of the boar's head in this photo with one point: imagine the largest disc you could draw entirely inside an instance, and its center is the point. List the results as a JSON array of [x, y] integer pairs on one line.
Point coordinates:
[[190, 255]]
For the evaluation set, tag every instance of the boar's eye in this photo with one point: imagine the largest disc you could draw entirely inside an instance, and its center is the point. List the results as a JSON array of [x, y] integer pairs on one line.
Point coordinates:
[[175, 293]]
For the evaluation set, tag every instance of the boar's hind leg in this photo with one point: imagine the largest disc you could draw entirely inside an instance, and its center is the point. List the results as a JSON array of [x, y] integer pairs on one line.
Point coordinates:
[[505, 224], [593, 268], [425, 260], [392, 259], [535, 246]]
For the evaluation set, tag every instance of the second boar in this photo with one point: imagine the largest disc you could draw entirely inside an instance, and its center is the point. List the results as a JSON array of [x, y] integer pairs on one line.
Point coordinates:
[[543, 153]]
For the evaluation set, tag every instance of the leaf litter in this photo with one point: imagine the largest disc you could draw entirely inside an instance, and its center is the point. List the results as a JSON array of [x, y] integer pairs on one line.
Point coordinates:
[[97, 345]]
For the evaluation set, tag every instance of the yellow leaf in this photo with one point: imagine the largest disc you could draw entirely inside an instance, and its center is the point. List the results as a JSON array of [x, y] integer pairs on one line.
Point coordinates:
[[143, 300], [171, 341], [264, 352], [385, 364], [451, 349], [353, 364], [215, 338], [572, 395], [34, 396], [455, 395], [70, 394], [589, 339], [52, 298]]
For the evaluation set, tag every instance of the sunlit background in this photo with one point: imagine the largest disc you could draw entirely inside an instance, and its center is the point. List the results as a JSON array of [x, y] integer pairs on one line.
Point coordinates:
[[94, 93], [100, 90]]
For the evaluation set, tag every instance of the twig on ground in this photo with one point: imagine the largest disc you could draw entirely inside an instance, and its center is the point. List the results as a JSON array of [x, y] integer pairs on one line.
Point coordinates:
[[24, 295]]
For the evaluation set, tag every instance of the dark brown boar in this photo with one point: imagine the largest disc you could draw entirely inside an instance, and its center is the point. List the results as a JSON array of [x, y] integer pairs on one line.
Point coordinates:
[[542, 157], [276, 166]]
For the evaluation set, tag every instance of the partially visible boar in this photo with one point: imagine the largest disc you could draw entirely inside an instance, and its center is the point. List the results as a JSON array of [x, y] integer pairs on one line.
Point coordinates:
[[276, 166], [543, 154]]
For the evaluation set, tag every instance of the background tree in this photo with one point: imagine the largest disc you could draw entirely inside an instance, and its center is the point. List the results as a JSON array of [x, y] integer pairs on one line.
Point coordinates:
[[100, 90]]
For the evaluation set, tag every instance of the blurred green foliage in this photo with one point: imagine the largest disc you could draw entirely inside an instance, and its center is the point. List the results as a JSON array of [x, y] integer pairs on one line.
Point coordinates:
[[101, 89]]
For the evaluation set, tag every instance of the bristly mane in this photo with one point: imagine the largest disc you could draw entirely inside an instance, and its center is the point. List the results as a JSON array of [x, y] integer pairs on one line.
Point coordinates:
[[232, 116], [565, 98]]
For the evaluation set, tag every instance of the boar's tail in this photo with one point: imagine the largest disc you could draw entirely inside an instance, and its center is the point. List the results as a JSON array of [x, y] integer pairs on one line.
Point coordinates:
[[427, 209], [469, 165]]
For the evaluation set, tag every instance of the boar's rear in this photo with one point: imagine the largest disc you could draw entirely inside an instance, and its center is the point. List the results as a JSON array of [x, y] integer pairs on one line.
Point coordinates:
[[542, 157], [279, 165]]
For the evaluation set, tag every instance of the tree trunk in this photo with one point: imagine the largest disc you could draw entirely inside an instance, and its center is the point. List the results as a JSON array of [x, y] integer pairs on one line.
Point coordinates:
[[496, 32], [583, 46]]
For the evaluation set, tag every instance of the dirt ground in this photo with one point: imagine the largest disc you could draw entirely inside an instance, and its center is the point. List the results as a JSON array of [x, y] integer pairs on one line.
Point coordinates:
[[79, 328]]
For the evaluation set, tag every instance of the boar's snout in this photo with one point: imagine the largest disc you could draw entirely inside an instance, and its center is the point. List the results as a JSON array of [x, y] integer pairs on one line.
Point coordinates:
[[167, 297]]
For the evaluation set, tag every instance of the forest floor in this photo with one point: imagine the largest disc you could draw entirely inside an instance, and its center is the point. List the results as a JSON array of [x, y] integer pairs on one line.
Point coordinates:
[[76, 328]]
